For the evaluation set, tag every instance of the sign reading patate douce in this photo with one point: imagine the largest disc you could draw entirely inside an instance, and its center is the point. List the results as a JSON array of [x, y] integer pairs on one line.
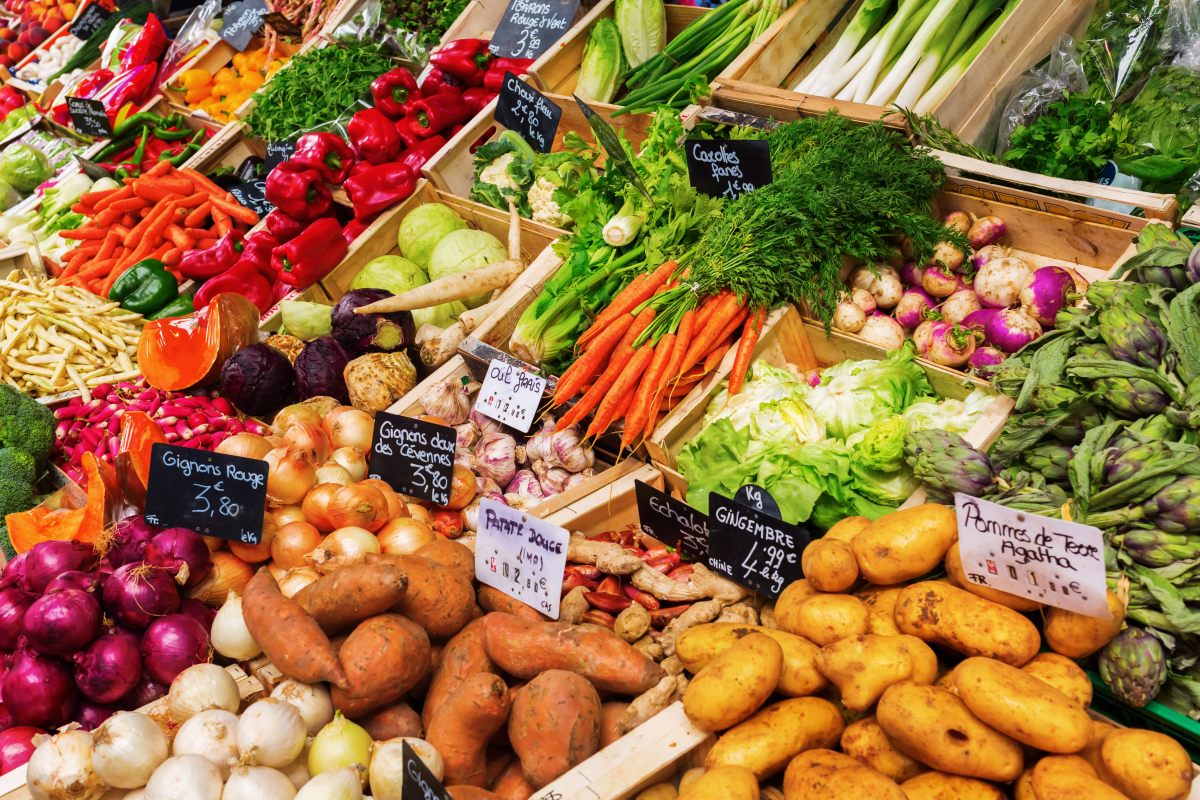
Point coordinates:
[[1052, 561]]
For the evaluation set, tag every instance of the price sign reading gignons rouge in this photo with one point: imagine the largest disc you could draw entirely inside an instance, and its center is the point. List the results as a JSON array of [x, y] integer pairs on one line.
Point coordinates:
[[510, 395], [521, 555], [415, 457], [212, 493]]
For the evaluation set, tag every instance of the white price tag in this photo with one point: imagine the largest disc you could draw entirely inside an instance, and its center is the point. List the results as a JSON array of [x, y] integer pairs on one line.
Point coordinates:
[[521, 555], [1052, 561], [510, 395]]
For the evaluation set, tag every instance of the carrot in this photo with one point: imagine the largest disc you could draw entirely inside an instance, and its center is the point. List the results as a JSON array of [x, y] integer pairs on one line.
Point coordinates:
[[107, 284], [584, 367], [161, 251], [198, 233], [194, 201], [587, 387], [679, 389], [81, 234], [180, 186], [110, 244], [667, 403], [180, 239], [599, 389], [172, 256], [626, 382], [131, 204], [198, 215], [202, 183], [234, 209], [648, 390], [160, 169], [96, 269], [684, 336], [92, 198], [89, 250], [160, 223], [714, 357], [107, 217], [112, 197], [725, 310], [733, 324], [627, 301], [609, 313], [288, 636], [138, 231], [750, 335], [706, 308], [126, 222], [80, 208], [223, 224], [623, 406]]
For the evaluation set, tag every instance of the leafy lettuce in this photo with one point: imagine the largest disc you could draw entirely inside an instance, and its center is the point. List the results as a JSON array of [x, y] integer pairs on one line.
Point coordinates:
[[854, 394]]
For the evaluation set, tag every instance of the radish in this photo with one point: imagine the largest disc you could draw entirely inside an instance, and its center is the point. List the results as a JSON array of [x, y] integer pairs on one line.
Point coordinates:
[[978, 320], [947, 255], [1047, 291], [1011, 329], [849, 317], [951, 345], [911, 274], [883, 331], [958, 220], [986, 231], [992, 251], [999, 282], [984, 359], [864, 300], [939, 281], [924, 334], [959, 305], [914, 307]]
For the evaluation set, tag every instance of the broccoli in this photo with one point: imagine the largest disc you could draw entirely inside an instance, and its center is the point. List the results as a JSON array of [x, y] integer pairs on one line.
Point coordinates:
[[15, 497], [6, 544], [17, 466], [25, 423]]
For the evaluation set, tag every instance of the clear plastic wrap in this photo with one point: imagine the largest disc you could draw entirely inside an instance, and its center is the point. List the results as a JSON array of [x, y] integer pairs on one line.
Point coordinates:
[[369, 25], [1122, 44], [193, 34], [1164, 125], [1039, 88], [1181, 34]]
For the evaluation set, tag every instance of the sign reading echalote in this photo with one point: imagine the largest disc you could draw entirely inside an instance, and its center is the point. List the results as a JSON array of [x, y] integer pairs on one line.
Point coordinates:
[[1052, 561], [253, 195], [277, 153], [672, 521], [282, 25], [89, 21], [212, 493], [242, 21], [529, 27], [753, 548], [510, 395], [419, 782], [89, 117], [521, 555], [416, 458], [525, 110], [728, 168]]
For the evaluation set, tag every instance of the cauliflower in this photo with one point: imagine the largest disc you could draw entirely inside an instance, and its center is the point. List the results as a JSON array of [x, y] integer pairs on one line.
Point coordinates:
[[545, 209], [496, 173]]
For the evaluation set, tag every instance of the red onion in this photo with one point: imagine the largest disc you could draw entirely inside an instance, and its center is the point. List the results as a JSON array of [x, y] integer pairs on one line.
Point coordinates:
[[109, 669], [138, 593], [134, 637], [199, 612], [6, 720], [62, 624], [48, 560], [16, 747], [89, 582], [14, 603], [39, 690], [182, 553], [89, 715], [14, 571], [171, 645], [130, 538], [146, 692]]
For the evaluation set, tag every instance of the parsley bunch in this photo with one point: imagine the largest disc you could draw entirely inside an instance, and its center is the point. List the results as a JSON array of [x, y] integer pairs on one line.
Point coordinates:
[[1072, 140]]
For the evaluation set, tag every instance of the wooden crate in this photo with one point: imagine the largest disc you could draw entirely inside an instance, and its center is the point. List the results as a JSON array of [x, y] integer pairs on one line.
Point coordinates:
[[215, 56], [1192, 218]]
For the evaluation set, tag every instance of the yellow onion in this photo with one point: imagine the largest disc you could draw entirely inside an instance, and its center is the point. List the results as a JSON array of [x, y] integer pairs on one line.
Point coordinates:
[[352, 428], [343, 547], [404, 536], [286, 514], [316, 506], [333, 472], [246, 445], [339, 744], [214, 543], [289, 416], [296, 579], [310, 438], [358, 506], [228, 573], [330, 417], [276, 571], [290, 475], [256, 553], [421, 513], [291, 542], [353, 459], [396, 505]]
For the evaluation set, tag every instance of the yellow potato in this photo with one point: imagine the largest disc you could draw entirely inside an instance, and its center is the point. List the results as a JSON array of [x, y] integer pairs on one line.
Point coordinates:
[[1100, 731], [688, 778], [865, 741], [881, 604], [723, 783], [1146, 765], [829, 565], [830, 783], [789, 602], [799, 677], [1070, 778], [1021, 706], [1023, 788], [827, 618], [816, 758], [863, 666], [765, 743], [1063, 674], [946, 681], [905, 544], [848, 528], [1078, 636], [941, 786], [659, 791], [937, 729], [954, 569], [938, 612], [734, 684]]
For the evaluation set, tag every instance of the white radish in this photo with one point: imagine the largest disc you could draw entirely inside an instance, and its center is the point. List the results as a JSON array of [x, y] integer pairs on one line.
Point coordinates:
[[999, 282], [849, 317]]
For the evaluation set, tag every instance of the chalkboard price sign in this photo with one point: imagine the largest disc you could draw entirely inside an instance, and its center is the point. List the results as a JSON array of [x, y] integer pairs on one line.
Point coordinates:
[[89, 117], [277, 153], [529, 27], [524, 109], [211, 493], [415, 457], [253, 195], [728, 168], [752, 547], [419, 782], [89, 21], [242, 21], [672, 521]]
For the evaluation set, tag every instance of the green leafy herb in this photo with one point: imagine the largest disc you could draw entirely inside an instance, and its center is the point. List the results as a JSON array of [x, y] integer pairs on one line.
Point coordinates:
[[1073, 140]]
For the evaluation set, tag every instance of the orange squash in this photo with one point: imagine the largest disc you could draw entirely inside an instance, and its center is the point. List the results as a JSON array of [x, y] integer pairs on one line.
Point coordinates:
[[139, 433], [182, 352], [53, 520]]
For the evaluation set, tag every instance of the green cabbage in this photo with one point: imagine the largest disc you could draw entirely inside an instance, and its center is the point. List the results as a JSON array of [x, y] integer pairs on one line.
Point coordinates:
[[393, 273], [465, 250], [306, 321], [23, 167], [423, 228], [853, 394]]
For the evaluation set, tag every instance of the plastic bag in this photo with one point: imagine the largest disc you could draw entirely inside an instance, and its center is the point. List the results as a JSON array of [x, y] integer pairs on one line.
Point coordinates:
[[1121, 44], [195, 33], [369, 25], [1164, 124], [1039, 88], [1181, 33]]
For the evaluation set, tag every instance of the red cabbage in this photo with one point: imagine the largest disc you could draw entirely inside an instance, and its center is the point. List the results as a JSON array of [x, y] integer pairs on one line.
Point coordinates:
[[48, 560], [89, 715], [171, 645], [16, 747], [39, 690], [89, 582], [183, 553], [320, 370], [258, 379], [129, 540], [363, 333], [14, 603], [138, 593], [199, 612], [109, 669], [62, 624]]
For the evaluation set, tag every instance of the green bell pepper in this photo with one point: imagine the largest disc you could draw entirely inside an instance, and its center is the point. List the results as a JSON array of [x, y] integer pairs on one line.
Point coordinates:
[[145, 287], [179, 307]]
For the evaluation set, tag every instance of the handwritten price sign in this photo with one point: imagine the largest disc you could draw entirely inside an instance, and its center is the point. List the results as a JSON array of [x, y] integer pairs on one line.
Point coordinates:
[[415, 457], [510, 395], [212, 493], [521, 555]]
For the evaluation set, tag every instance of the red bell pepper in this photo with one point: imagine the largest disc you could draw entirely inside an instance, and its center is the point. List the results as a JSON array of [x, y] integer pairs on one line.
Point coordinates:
[[415, 157], [258, 248], [200, 265], [374, 136], [432, 115], [494, 78], [465, 45], [310, 256], [380, 187], [327, 153], [439, 82], [478, 97], [298, 191], [393, 90], [450, 134], [283, 227], [468, 62], [360, 168], [242, 278], [406, 135], [355, 228]]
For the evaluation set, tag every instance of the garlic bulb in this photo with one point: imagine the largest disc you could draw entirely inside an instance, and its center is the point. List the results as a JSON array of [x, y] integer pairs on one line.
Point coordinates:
[[202, 687], [485, 423], [525, 484], [61, 766], [569, 452], [211, 735], [343, 783], [496, 457], [271, 733], [552, 479], [311, 700], [230, 636], [470, 516], [463, 457], [448, 400], [127, 748], [487, 485], [578, 478], [467, 435], [258, 783], [387, 765], [538, 446], [185, 778]]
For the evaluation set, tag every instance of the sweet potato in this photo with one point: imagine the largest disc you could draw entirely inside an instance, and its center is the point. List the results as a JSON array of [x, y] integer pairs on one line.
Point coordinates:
[[438, 599], [352, 594], [463, 656], [288, 636], [435, 658], [495, 600], [498, 760], [383, 658], [452, 554], [461, 726], [471, 793], [610, 721], [524, 649], [393, 722], [554, 725], [511, 785]]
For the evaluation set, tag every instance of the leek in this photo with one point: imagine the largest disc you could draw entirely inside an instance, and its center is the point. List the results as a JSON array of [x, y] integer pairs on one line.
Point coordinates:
[[979, 14], [879, 58], [937, 93], [844, 78], [912, 54], [915, 86], [867, 15]]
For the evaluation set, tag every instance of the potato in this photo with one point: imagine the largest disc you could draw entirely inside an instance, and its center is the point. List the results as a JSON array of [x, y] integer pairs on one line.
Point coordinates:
[[863, 666], [691, 776], [1070, 778], [905, 544], [937, 612], [941, 786], [1023, 788], [954, 569], [865, 741], [723, 783], [937, 729], [1146, 765], [831, 783], [829, 565], [789, 603], [846, 529], [1063, 674], [799, 677], [1100, 731], [659, 791], [734, 684], [816, 758], [765, 743], [881, 605], [1078, 636], [827, 618], [946, 681], [1021, 706]]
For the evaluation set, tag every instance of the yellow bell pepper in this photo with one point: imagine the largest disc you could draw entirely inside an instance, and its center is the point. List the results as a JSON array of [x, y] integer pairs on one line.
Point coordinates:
[[255, 61], [225, 74], [226, 87], [209, 106], [234, 101], [195, 79], [239, 62], [251, 81], [198, 94], [276, 65]]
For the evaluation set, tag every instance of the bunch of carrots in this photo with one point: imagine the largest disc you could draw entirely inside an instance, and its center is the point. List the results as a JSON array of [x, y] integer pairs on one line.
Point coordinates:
[[627, 369], [161, 215]]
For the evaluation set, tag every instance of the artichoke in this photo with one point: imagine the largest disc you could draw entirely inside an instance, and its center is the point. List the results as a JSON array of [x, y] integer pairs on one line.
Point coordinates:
[[1132, 335], [1054, 396], [1153, 548], [1156, 235], [1092, 350], [1130, 397], [1049, 460], [1134, 666], [946, 464], [1172, 277], [1176, 508], [1130, 460]]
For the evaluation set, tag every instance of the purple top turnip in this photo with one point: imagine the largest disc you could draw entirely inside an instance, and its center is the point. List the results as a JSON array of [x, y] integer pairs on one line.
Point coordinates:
[[958, 220], [984, 359], [1000, 281], [986, 231], [1081, 283], [989, 253], [978, 320], [1011, 329], [914, 307], [947, 256], [910, 274], [939, 281], [924, 334], [849, 317], [951, 345], [864, 300], [1048, 290], [959, 305]]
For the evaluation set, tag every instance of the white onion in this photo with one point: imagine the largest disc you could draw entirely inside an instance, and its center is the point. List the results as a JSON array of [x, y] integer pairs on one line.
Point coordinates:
[[134, 794], [127, 748], [61, 767], [118, 794], [211, 734], [387, 765], [297, 771], [258, 783], [343, 783], [311, 700], [202, 687], [185, 778], [271, 733], [230, 636]]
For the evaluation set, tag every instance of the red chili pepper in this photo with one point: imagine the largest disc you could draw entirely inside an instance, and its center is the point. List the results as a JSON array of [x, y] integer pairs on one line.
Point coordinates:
[[242, 278], [415, 157], [298, 191], [394, 89], [380, 187], [327, 153], [374, 136], [199, 265], [432, 115], [310, 256]]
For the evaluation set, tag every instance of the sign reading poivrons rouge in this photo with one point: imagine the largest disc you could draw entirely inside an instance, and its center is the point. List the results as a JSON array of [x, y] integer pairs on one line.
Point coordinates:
[[752, 548], [89, 117], [242, 21], [728, 168], [415, 457], [211, 493], [525, 110], [1052, 561], [510, 395], [672, 521], [529, 27], [419, 782], [521, 555]]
